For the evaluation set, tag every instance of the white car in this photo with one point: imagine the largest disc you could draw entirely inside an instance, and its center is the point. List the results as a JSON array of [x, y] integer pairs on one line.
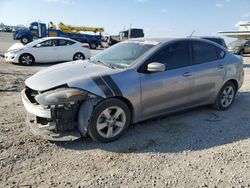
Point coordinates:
[[49, 49]]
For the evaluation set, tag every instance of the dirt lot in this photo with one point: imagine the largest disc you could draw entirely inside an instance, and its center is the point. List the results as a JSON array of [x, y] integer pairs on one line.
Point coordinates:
[[198, 148]]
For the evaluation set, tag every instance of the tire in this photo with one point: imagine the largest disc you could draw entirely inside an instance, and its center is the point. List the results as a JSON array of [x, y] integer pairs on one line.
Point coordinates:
[[24, 40], [226, 97], [93, 45], [241, 53], [26, 59], [103, 126], [78, 56]]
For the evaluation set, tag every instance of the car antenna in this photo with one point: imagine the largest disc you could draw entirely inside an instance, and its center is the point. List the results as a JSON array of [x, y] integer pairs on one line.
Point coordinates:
[[192, 34]]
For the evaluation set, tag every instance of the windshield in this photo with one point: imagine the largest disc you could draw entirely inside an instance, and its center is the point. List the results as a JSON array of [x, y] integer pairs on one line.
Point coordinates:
[[35, 42], [123, 54], [237, 43]]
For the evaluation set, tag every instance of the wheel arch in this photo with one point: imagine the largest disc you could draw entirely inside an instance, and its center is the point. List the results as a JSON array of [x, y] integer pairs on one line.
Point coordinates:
[[129, 104], [235, 82], [83, 121], [78, 52]]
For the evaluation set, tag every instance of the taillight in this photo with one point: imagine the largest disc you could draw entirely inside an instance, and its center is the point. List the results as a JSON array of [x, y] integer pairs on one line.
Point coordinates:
[[86, 46]]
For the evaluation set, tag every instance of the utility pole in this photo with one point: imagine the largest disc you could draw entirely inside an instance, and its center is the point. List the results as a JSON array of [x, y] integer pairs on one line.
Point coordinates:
[[129, 31]]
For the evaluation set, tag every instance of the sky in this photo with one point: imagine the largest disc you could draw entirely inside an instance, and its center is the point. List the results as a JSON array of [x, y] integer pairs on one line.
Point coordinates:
[[158, 18]]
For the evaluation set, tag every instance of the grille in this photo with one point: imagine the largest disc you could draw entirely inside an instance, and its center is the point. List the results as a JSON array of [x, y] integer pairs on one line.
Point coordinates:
[[30, 93]]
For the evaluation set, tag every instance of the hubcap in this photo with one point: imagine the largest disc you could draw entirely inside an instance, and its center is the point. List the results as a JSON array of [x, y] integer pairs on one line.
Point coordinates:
[[78, 56], [25, 40], [111, 122], [227, 96], [26, 59]]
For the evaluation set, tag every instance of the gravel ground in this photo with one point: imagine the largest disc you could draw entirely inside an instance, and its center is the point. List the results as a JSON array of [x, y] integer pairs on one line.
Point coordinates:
[[198, 148]]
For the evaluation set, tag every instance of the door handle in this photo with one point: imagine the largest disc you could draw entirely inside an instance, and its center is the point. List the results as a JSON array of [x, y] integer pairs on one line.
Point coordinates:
[[221, 67], [187, 74]]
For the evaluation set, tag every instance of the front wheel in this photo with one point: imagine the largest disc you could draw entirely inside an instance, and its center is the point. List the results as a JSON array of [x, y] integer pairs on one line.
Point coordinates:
[[24, 40], [109, 120], [225, 97], [26, 59]]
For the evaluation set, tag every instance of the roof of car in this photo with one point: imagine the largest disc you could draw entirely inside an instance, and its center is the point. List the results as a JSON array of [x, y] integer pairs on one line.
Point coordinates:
[[210, 37], [153, 39], [46, 38], [162, 40], [165, 40]]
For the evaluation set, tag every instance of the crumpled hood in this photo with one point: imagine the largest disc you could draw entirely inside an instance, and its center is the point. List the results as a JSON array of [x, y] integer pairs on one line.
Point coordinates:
[[78, 74], [16, 46]]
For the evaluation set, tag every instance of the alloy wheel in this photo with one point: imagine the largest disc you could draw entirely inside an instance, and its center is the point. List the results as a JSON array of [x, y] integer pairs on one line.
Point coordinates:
[[78, 56], [26, 59], [111, 122], [227, 96]]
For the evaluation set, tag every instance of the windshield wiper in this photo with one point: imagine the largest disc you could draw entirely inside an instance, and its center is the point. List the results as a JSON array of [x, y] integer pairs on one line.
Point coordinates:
[[100, 62]]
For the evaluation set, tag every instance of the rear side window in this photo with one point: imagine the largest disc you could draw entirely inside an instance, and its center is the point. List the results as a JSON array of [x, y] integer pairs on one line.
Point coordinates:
[[174, 56], [62, 42], [221, 53], [203, 52]]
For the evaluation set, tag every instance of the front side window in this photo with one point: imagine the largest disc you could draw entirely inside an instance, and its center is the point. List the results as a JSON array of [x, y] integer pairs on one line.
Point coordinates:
[[203, 52], [33, 27], [47, 43], [174, 56]]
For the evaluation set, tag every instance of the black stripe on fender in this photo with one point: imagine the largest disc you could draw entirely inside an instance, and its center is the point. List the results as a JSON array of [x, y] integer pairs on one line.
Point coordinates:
[[112, 85], [102, 85]]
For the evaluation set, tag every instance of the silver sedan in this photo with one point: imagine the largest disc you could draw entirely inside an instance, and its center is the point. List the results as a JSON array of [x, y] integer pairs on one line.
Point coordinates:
[[130, 82]]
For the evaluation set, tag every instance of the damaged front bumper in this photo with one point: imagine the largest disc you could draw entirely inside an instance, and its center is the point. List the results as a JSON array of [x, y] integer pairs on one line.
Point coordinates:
[[55, 122]]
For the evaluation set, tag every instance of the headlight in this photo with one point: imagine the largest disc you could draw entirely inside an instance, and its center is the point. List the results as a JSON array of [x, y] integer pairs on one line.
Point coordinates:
[[61, 96], [14, 51]]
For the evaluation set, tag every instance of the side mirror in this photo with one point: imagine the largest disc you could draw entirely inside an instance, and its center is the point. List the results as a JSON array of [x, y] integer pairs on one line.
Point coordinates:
[[156, 67]]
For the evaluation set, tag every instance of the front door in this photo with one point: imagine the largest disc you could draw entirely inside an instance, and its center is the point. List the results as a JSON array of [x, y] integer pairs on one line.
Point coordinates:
[[169, 90], [46, 51]]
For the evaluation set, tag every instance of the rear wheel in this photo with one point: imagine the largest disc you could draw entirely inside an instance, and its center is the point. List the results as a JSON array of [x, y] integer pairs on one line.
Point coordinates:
[[109, 120], [78, 56], [225, 97], [26, 59], [93, 45]]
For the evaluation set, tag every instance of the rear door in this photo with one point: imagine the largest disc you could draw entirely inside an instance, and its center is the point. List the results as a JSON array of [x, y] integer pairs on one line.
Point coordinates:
[[65, 49], [207, 71]]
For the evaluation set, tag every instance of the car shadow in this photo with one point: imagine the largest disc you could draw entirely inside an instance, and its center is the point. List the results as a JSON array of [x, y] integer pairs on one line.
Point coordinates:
[[195, 129], [37, 64]]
